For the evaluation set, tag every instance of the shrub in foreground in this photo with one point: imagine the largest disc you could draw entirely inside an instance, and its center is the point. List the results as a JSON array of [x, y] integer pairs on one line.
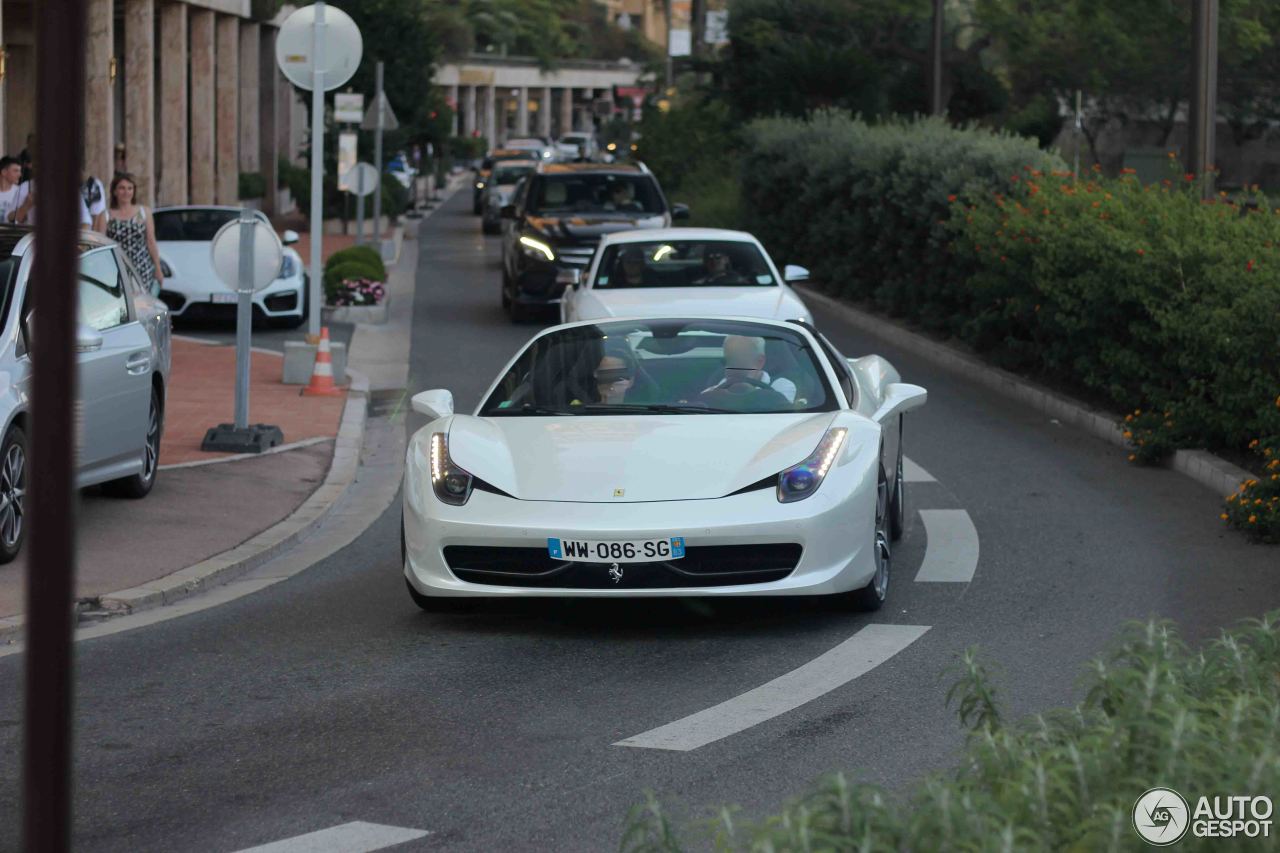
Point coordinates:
[[1156, 713]]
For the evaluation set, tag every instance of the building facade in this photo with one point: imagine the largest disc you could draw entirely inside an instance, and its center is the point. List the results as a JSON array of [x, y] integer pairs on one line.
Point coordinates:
[[183, 94]]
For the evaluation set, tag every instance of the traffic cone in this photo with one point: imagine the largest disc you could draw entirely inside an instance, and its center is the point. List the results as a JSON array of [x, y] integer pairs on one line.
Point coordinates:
[[322, 374]]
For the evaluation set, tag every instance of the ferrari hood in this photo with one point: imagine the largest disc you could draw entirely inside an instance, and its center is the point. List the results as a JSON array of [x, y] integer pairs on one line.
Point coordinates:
[[192, 267], [629, 459], [770, 303]]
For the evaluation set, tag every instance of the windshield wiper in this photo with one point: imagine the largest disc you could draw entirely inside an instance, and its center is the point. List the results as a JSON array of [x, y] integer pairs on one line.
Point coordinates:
[[532, 409], [654, 409]]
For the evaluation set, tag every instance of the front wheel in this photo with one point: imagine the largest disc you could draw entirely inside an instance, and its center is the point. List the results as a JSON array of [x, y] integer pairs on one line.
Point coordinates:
[[13, 493], [139, 485], [871, 597]]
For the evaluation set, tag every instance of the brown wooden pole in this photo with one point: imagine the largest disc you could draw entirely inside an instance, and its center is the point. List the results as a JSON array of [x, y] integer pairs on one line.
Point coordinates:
[[60, 73]]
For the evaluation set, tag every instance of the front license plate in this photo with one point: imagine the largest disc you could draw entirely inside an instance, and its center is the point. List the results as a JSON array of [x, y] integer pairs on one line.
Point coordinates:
[[224, 298], [629, 551]]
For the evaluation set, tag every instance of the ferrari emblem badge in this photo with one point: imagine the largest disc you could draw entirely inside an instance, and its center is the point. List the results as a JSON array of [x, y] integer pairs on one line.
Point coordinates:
[[617, 493], [615, 572]]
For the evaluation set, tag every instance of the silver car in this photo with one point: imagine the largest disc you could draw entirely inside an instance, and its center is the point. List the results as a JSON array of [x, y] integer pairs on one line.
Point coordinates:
[[122, 344]]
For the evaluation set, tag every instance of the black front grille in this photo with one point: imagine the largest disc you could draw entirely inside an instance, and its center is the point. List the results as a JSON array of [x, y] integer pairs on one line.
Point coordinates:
[[702, 565], [174, 300], [282, 301]]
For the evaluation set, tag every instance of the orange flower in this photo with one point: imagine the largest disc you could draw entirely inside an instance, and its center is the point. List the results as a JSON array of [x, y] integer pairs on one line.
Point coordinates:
[[1142, 252], [1189, 177], [951, 198], [1127, 171], [1249, 266]]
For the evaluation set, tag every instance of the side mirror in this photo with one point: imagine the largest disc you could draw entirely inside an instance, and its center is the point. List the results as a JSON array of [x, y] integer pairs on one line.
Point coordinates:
[[795, 273], [289, 237], [436, 403], [566, 279], [88, 339], [679, 211], [900, 397], [508, 211]]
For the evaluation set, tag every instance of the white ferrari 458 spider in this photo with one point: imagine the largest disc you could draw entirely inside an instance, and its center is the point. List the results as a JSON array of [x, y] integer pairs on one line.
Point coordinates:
[[662, 457]]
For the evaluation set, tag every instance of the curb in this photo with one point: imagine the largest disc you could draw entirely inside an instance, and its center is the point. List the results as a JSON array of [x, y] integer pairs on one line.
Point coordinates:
[[1203, 467], [259, 549]]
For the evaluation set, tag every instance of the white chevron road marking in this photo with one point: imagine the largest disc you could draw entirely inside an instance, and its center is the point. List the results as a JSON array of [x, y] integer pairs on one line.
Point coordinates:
[[355, 837], [952, 552]]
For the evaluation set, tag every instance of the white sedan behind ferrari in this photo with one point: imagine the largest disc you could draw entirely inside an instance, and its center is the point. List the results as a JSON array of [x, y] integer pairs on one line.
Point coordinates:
[[683, 272], [662, 457]]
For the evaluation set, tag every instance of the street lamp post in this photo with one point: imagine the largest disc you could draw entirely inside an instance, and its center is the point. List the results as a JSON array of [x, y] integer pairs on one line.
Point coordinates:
[[1204, 92], [935, 60]]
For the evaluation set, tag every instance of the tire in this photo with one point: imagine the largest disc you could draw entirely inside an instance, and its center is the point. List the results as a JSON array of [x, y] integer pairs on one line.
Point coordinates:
[[139, 485], [13, 490], [898, 503], [872, 596]]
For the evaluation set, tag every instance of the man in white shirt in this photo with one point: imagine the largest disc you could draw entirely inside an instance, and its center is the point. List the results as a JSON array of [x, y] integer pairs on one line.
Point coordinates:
[[25, 212], [95, 201], [744, 362], [10, 181]]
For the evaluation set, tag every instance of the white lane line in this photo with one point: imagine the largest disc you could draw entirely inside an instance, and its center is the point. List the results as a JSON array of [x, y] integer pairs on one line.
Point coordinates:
[[951, 555], [856, 656], [913, 473], [355, 837]]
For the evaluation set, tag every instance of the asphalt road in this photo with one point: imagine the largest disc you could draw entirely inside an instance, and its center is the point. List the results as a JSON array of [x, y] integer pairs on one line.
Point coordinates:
[[330, 698]]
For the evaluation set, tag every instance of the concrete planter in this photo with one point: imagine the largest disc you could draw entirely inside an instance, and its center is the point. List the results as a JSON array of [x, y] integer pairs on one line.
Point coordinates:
[[375, 314]]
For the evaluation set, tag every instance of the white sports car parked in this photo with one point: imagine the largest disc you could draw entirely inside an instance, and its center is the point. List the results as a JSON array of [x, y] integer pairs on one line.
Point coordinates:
[[193, 291], [683, 272], [662, 457]]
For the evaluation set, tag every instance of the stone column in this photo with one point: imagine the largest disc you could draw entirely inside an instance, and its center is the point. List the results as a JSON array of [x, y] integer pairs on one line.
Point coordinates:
[[202, 106], [140, 94], [227, 89], [173, 105], [455, 106], [250, 87], [566, 110], [490, 117], [269, 97], [99, 105], [544, 112], [522, 112], [469, 112]]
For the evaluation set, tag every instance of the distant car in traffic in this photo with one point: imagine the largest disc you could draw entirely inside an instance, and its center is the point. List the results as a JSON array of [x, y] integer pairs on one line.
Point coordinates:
[[123, 357], [499, 189], [683, 272], [662, 457], [193, 291], [545, 148], [577, 146], [486, 167], [558, 216]]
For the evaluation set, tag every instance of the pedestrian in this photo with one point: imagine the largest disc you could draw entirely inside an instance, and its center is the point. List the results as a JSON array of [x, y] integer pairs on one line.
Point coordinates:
[[24, 211], [10, 180], [26, 156], [130, 224], [95, 200]]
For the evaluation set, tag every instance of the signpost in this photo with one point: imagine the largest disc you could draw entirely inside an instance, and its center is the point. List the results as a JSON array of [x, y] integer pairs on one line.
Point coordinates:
[[348, 107], [246, 254], [379, 118], [361, 179], [318, 49]]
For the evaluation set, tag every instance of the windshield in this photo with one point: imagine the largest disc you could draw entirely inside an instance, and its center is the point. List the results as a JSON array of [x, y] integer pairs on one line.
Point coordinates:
[[196, 224], [583, 192], [669, 366], [511, 174], [683, 263]]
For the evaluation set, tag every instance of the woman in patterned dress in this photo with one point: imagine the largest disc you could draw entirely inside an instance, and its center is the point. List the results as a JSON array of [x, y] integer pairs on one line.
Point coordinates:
[[130, 224]]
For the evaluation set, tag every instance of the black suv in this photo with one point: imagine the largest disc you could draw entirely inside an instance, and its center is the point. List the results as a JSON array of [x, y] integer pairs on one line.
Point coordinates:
[[557, 217]]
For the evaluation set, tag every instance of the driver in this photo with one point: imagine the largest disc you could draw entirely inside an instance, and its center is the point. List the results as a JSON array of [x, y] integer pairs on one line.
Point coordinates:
[[614, 376], [716, 269], [744, 371], [621, 197]]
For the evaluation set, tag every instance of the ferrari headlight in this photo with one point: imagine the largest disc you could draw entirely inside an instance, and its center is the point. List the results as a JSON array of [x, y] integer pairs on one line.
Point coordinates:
[[288, 267], [537, 249], [799, 481], [451, 484]]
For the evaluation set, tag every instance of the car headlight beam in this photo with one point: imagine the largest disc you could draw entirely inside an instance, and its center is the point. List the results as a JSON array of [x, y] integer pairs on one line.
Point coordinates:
[[533, 248], [451, 484], [800, 481]]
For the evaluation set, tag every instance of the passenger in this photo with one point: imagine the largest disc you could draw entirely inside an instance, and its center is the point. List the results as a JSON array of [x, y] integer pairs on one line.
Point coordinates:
[[621, 197], [717, 269], [631, 268], [744, 372], [614, 376]]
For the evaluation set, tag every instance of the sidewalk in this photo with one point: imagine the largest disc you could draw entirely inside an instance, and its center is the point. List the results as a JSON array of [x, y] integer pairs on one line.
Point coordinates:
[[197, 511]]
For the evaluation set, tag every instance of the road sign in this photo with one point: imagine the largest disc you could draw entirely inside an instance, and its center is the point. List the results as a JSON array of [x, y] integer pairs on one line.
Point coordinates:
[[340, 48], [361, 179], [346, 158], [348, 107], [389, 121], [264, 261]]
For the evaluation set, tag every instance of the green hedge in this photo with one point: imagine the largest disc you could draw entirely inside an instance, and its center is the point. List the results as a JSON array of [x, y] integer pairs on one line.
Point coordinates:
[[864, 206], [361, 254], [252, 185], [1203, 722], [1155, 301], [351, 263]]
